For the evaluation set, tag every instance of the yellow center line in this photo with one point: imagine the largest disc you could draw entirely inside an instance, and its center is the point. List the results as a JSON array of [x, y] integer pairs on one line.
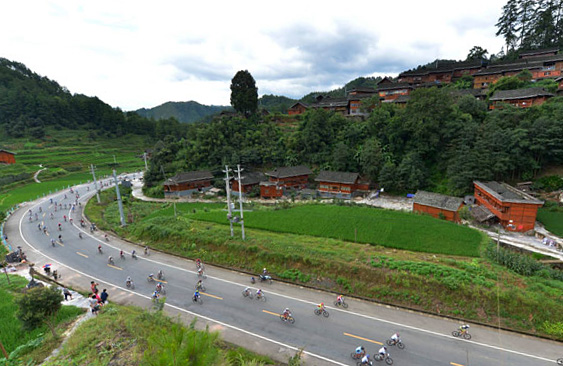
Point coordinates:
[[82, 254], [213, 296], [362, 338], [115, 267], [269, 312], [160, 281], [61, 244], [455, 364]]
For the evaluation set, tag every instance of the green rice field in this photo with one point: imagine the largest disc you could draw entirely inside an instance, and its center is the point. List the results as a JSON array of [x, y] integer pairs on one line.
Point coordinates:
[[552, 220], [374, 226]]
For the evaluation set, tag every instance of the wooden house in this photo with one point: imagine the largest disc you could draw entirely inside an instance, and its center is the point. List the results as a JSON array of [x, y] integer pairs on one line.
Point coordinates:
[[248, 181], [515, 209], [339, 105], [443, 72], [438, 205], [522, 98], [297, 108], [282, 179], [339, 184], [184, 184], [391, 91], [560, 89], [7, 157]]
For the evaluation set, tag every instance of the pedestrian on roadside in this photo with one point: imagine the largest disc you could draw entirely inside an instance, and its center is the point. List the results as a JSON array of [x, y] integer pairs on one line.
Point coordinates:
[[104, 296], [94, 304], [67, 293], [94, 287]]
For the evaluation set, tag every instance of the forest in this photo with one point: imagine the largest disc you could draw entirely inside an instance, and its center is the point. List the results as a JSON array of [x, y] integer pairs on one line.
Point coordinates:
[[29, 103], [439, 141]]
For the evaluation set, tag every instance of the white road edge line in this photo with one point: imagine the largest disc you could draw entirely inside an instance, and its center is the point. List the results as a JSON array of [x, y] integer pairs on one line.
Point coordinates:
[[310, 302], [181, 309]]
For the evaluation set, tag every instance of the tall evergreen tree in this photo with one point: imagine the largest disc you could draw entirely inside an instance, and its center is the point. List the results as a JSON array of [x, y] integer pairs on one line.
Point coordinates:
[[508, 24], [244, 93]]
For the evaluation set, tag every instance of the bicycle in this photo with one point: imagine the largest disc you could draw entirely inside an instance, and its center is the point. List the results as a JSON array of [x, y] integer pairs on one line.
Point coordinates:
[[290, 319], [464, 335], [323, 312], [399, 343], [100, 251], [200, 288], [247, 294], [260, 297], [130, 284], [560, 361], [162, 290], [198, 300], [341, 303], [357, 356], [150, 279], [387, 358], [201, 275], [110, 261]]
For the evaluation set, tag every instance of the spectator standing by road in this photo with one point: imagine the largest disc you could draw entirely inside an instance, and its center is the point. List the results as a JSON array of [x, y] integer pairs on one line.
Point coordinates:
[[67, 293], [104, 296], [94, 305], [94, 287]]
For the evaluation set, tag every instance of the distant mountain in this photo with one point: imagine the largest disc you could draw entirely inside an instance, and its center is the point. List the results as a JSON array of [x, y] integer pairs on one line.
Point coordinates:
[[275, 103], [186, 112]]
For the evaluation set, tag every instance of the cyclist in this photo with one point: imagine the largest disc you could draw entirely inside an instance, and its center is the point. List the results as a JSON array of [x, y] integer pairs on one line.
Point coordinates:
[[128, 281], [52, 216], [264, 272], [70, 220], [259, 293], [61, 238], [64, 217], [198, 263], [247, 291], [40, 209], [106, 237], [100, 249], [53, 242], [199, 285], [395, 338], [463, 328], [365, 360], [360, 351], [160, 274], [151, 277], [339, 299], [133, 254], [159, 287], [200, 271], [121, 254], [146, 250], [155, 295], [110, 260], [60, 228], [286, 313], [39, 227], [196, 295], [382, 352], [80, 235], [36, 217], [321, 307]]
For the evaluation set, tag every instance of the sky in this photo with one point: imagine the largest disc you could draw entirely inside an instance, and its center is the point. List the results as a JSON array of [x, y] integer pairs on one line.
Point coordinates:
[[135, 54]]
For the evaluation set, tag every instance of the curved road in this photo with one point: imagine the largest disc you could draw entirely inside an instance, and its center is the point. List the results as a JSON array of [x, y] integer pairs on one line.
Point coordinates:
[[254, 324]]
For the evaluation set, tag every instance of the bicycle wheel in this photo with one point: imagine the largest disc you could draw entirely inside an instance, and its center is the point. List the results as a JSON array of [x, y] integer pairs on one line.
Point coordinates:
[[325, 313], [389, 342], [344, 305], [400, 345], [263, 298], [388, 360], [466, 336], [317, 312], [455, 333], [291, 319], [560, 361], [336, 303], [202, 288]]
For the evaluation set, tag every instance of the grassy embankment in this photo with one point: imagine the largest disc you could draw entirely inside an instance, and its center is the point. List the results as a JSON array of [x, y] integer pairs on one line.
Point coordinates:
[[22, 343], [552, 218], [463, 286]]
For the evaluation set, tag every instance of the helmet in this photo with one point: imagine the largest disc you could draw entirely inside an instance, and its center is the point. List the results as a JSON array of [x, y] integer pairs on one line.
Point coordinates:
[[322, 304], [385, 348], [264, 268]]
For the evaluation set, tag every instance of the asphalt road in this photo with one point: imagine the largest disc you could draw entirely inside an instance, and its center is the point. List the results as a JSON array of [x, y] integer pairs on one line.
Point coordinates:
[[325, 341]]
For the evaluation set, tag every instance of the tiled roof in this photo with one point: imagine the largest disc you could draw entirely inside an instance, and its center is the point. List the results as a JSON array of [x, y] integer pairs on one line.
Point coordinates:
[[362, 90], [296, 104], [505, 193], [252, 178], [519, 94], [6, 151], [481, 213], [331, 102], [519, 65], [394, 86], [289, 171], [539, 52], [189, 177], [431, 199], [473, 92], [337, 177], [444, 66]]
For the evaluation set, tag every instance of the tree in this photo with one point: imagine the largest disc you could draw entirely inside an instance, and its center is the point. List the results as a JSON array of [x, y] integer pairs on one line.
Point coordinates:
[[477, 53], [244, 93], [40, 305], [371, 158], [508, 24]]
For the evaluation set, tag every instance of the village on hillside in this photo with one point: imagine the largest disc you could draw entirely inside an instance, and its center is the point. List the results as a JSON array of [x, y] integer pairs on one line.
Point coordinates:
[[542, 64]]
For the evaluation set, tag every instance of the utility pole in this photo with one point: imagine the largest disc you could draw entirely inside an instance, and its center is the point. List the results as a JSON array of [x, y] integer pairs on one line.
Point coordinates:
[[228, 190], [240, 200], [145, 157], [120, 204], [95, 184]]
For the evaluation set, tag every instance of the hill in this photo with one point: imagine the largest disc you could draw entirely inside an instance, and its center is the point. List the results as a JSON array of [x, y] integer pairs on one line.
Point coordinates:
[[185, 112]]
